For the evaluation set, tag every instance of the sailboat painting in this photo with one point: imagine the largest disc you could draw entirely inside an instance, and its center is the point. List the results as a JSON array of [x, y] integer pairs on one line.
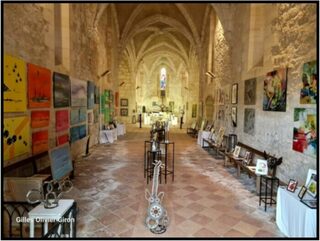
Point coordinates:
[[14, 85], [61, 88], [40, 118], [39, 86], [78, 92], [39, 142]]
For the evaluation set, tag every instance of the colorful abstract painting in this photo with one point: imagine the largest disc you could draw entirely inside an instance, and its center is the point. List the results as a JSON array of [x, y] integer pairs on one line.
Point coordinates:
[[90, 97], [78, 92], [96, 95], [305, 131], [275, 90], [62, 139], [61, 88], [16, 134], [14, 85], [40, 118], [62, 120], [249, 120], [250, 87], [39, 142], [39, 86], [309, 92], [61, 162]]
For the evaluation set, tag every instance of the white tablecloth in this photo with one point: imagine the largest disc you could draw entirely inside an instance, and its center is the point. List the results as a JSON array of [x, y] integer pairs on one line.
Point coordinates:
[[108, 136], [295, 219], [146, 119], [121, 129], [201, 135]]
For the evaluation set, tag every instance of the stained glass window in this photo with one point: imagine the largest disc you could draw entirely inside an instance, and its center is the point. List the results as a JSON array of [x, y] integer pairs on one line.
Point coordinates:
[[163, 79]]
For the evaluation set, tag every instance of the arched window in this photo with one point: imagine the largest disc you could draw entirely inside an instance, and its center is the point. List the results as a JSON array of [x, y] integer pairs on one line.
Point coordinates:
[[163, 79]]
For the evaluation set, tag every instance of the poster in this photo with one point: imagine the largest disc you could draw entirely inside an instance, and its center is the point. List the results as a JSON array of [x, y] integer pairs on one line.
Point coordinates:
[[39, 142], [14, 84], [78, 92], [40, 118], [62, 120], [61, 90], [39, 86], [309, 92]]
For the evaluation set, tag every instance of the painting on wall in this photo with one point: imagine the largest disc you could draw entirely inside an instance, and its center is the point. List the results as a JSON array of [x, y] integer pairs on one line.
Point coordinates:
[[82, 114], [74, 134], [82, 131], [220, 114], [194, 111], [234, 116], [305, 131], [275, 90], [40, 118], [39, 86], [39, 142], [78, 92], [16, 133], [60, 162], [61, 90], [90, 97], [62, 139], [249, 119], [14, 85], [250, 87], [62, 120], [234, 94], [96, 94], [220, 97], [123, 102], [309, 92], [123, 112], [74, 116]]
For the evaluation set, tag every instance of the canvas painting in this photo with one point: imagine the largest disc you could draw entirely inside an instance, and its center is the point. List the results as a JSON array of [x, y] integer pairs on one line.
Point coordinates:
[[74, 134], [194, 111], [14, 85], [90, 97], [82, 131], [82, 114], [61, 162], [123, 112], [61, 88], [62, 139], [96, 94], [78, 92], [62, 120], [221, 114], [305, 131], [74, 116], [16, 134], [39, 86], [39, 142], [250, 87], [249, 119], [309, 92], [275, 90], [124, 102], [40, 118]]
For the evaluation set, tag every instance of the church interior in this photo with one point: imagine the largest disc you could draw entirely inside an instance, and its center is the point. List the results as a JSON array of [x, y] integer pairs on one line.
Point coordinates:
[[160, 120]]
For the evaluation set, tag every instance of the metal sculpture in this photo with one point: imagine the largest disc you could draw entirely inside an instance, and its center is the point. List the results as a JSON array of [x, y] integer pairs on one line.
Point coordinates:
[[157, 219]]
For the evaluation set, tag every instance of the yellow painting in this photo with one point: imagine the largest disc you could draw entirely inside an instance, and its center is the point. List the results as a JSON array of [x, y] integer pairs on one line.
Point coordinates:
[[16, 137], [14, 85]]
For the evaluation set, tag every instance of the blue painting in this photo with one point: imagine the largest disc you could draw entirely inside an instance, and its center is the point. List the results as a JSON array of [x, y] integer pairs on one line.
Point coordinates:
[[61, 163], [74, 116], [61, 90], [90, 97], [82, 131], [74, 134], [82, 114]]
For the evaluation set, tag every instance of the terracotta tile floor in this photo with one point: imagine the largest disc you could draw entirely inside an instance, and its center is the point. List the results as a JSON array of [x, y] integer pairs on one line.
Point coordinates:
[[206, 199]]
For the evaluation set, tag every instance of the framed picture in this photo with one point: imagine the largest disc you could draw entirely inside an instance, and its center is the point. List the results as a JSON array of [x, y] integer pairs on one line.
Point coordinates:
[[234, 94], [312, 174], [123, 112], [262, 167], [312, 188], [292, 185], [302, 192], [123, 102], [311, 203], [234, 116], [236, 152], [247, 157], [308, 93]]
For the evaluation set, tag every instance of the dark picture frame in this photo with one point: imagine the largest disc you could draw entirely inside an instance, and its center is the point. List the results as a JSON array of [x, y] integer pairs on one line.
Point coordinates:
[[234, 94], [292, 185], [311, 203], [302, 192], [124, 112], [123, 102]]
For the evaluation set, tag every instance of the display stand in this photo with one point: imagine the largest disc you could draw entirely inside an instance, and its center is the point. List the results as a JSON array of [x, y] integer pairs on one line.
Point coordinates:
[[266, 194], [168, 159]]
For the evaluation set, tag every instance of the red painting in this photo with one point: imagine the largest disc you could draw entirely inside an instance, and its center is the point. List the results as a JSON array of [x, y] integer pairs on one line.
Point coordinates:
[[40, 119], [39, 86], [62, 139], [62, 120], [117, 99], [39, 142]]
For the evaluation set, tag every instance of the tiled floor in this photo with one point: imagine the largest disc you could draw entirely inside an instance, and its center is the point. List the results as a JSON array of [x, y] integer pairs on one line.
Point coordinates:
[[206, 199]]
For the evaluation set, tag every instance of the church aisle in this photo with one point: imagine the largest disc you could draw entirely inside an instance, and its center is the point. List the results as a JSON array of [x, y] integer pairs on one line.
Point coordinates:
[[206, 199]]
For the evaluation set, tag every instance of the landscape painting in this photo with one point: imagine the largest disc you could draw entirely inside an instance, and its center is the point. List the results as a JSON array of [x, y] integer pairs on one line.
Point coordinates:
[[62, 120], [15, 134], [60, 162], [305, 131], [78, 92], [309, 92], [39, 86], [14, 85], [249, 120], [250, 87], [62, 139], [39, 142], [275, 90], [90, 97], [61, 90], [40, 118]]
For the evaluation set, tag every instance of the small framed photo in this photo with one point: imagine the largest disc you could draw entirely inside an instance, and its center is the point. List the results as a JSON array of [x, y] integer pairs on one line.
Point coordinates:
[[236, 151], [123, 102], [234, 94], [262, 167], [311, 203], [302, 192], [123, 112], [292, 185], [312, 187]]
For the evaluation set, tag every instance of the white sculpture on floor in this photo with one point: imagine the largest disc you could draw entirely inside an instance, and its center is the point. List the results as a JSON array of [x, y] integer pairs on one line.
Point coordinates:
[[157, 219]]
